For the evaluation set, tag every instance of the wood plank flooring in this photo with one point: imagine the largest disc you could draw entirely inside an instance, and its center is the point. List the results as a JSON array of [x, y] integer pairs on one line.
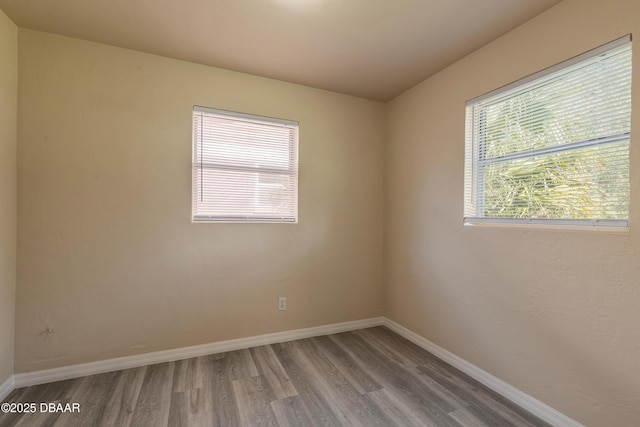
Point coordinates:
[[370, 377]]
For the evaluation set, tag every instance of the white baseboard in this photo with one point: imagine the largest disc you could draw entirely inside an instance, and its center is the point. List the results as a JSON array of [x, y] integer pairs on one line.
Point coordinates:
[[518, 397], [138, 360], [530, 404], [7, 387]]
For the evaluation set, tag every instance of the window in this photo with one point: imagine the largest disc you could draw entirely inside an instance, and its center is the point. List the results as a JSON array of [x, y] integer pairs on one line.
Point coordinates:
[[245, 167], [553, 148]]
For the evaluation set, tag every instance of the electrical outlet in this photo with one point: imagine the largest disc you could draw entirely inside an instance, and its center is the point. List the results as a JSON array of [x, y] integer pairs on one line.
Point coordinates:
[[282, 303]]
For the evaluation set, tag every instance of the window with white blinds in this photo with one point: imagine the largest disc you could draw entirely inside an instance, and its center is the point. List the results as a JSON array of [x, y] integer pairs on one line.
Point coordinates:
[[553, 148], [245, 167]]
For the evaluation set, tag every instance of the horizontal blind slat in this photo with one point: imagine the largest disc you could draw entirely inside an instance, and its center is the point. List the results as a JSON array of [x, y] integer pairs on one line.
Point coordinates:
[[553, 148], [245, 168]]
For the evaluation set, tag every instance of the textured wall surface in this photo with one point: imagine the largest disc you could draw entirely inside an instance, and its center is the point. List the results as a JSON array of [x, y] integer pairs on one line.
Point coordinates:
[[108, 258], [107, 255], [554, 313], [8, 195]]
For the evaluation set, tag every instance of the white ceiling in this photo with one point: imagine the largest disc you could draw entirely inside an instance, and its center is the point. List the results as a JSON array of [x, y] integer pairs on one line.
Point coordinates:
[[374, 49]]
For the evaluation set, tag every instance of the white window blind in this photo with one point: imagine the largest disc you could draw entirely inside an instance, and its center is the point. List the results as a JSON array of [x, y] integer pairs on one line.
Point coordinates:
[[245, 167], [553, 148]]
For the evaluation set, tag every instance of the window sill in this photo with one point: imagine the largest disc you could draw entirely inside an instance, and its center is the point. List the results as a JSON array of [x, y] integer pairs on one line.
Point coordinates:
[[241, 221], [549, 227]]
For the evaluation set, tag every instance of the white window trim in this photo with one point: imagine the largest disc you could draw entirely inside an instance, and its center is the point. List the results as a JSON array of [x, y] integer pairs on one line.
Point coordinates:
[[246, 219], [615, 226], [554, 68]]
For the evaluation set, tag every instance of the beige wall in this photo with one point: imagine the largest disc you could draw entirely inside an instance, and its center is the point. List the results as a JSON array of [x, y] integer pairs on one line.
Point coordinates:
[[8, 200], [554, 313], [108, 258], [107, 255]]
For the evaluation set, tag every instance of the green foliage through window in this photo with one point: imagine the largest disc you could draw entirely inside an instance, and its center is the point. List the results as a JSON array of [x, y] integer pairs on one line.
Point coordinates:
[[555, 147]]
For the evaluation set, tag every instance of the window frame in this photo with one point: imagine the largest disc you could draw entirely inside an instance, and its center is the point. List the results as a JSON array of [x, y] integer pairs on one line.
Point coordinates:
[[476, 162], [291, 170]]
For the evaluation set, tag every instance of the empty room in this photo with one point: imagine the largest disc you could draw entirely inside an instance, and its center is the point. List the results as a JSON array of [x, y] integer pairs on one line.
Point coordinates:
[[319, 212]]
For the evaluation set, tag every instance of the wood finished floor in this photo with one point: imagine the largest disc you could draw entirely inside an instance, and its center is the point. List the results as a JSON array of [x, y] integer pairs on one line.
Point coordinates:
[[370, 377]]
